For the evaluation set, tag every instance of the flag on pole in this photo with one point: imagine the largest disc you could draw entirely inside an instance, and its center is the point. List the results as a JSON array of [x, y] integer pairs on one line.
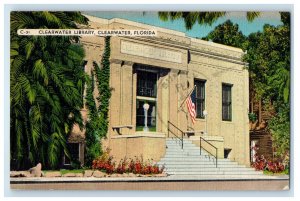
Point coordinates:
[[191, 105]]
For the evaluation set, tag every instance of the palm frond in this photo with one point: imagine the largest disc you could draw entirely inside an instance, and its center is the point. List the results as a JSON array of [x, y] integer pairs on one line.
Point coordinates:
[[26, 86], [252, 15], [20, 20], [53, 149], [40, 71], [35, 118], [18, 131], [28, 48]]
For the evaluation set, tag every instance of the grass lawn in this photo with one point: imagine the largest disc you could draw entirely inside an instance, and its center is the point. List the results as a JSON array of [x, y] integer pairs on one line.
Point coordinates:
[[64, 171], [285, 172]]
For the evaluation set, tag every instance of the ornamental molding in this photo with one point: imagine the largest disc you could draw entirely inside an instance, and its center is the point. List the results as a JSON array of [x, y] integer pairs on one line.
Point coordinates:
[[150, 51]]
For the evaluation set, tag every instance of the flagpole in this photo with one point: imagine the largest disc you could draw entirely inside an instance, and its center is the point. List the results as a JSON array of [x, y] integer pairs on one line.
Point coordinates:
[[187, 96]]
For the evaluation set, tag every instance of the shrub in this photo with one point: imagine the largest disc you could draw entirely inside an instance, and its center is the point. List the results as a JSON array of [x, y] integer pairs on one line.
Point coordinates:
[[252, 117], [75, 164], [104, 163], [122, 167], [263, 164]]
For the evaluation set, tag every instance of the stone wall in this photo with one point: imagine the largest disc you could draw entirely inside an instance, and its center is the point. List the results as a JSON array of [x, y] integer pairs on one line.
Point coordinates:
[[149, 146]]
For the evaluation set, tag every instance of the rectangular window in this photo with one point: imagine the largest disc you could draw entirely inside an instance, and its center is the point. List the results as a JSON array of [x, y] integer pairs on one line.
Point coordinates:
[[146, 84], [226, 102], [200, 97]]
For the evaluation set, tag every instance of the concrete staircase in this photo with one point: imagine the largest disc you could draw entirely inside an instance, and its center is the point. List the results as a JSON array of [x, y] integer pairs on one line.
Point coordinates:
[[189, 161]]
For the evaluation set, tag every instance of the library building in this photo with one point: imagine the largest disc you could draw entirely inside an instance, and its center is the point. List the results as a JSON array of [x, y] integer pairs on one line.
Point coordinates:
[[170, 90]]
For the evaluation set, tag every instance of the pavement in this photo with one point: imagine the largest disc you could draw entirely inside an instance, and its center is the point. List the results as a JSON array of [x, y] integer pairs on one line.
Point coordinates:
[[147, 179], [171, 182]]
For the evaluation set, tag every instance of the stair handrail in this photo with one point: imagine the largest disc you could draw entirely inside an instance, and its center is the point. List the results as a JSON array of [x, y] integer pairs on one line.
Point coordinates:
[[182, 133], [216, 156]]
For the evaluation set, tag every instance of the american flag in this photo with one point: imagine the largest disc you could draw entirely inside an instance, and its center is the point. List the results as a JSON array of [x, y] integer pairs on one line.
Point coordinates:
[[191, 105]]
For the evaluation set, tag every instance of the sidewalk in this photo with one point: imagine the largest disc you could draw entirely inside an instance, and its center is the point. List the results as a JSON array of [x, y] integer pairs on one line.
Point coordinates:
[[173, 183], [150, 179]]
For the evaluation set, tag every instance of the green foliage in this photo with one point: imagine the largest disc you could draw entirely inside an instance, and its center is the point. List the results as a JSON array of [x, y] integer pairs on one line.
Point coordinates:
[[280, 129], [227, 34], [285, 172], [93, 149], [45, 89], [269, 62], [191, 18], [269, 66], [63, 171], [206, 18], [103, 76], [252, 117], [97, 126], [285, 18], [252, 15]]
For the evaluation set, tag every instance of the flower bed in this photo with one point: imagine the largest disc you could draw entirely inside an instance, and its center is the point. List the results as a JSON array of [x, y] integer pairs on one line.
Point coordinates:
[[106, 164], [266, 165]]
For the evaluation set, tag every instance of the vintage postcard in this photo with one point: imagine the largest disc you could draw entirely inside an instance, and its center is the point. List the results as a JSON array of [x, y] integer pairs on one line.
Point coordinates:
[[150, 100]]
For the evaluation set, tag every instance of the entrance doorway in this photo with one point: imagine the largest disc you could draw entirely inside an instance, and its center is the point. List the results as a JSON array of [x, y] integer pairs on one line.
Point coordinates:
[[146, 95]]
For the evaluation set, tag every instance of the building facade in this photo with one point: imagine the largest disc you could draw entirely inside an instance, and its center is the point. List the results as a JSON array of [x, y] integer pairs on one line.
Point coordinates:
[[159, 73]]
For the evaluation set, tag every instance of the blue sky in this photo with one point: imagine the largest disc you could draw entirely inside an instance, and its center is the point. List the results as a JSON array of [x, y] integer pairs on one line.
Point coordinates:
[[151, 18]]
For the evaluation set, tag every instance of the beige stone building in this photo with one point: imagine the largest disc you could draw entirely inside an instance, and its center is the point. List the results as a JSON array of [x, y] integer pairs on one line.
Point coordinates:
[[161, 71]]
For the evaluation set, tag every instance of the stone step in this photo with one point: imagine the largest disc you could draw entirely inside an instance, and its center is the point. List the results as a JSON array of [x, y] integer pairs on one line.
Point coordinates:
[[193, 158], [207, 167], [197, 150], [236, 170], [185, 159], [179, 143], [178, 146], [188, 162], [176, 139], [187, 154], [191, 149], [200, 165], [215, 173], [180, 152]]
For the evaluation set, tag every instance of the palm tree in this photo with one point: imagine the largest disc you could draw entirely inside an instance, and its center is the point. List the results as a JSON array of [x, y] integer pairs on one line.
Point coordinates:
[[46, 80], [191, 18]]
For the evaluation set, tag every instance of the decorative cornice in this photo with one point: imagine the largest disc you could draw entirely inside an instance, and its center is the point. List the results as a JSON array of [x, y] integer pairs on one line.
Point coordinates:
[[214, 55]]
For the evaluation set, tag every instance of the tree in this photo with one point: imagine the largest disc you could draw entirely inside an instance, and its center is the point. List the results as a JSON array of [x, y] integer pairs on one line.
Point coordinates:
[[269, 66], [227, 34], [269, 62], [47, 81], [206, 18]]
